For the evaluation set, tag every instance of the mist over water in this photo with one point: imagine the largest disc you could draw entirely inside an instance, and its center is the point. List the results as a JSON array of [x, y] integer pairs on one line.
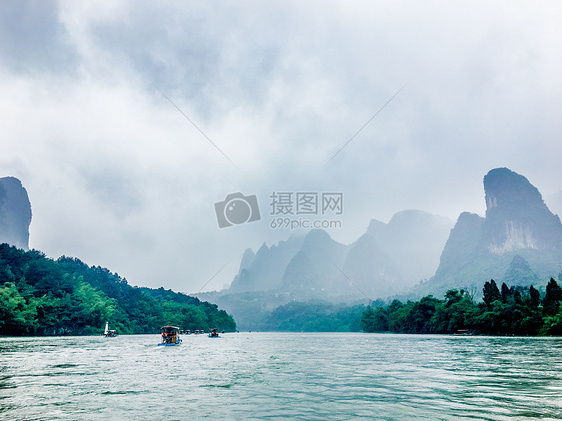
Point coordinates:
[[312, 376]]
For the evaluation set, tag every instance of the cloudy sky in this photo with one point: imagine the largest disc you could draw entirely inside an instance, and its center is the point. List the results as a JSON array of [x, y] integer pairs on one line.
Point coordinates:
[[127, 121]]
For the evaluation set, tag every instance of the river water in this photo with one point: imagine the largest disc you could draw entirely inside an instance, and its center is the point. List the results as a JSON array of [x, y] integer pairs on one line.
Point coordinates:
[[308, 376]]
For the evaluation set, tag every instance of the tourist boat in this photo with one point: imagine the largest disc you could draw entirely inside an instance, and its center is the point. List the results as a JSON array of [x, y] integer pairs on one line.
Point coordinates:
[[170, 336], [109, 333], [214, 334]]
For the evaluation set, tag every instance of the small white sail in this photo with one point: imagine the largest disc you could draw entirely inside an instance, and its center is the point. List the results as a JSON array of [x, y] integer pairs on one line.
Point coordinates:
[[106, 331]]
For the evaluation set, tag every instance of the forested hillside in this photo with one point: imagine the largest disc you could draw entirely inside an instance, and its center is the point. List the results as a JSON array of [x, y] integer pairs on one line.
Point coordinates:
[[42, 296]]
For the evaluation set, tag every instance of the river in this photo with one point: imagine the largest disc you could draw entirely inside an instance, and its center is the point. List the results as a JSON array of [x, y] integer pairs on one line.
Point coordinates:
[[300, 376]]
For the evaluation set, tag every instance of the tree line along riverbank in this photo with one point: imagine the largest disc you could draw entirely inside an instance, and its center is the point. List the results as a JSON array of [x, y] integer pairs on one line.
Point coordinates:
[[507, 310], [42, 296]]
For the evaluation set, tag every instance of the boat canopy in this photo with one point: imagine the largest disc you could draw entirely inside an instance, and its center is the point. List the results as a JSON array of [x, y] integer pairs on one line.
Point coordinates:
[[170, 329]]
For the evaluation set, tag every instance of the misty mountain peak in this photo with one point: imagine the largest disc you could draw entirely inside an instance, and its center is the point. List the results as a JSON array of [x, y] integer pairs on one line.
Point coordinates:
[[315, 238], [410, 217], [262, 250], [387, 257], [519, 240], [516, 215], [506, 190], [15, 213], [375, 226], [247, 259]]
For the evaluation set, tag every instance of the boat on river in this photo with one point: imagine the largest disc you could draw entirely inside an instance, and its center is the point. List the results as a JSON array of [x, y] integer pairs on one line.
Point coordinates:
[[109, 333], [170, 336], [214, 334]]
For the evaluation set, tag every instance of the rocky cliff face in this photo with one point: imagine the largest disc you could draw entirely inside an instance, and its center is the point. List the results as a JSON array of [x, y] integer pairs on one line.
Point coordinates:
[[15, 213], [516, 215], [518, 241]]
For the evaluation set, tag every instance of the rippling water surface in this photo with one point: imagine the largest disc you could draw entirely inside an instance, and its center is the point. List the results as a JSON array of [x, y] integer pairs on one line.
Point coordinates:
[[316, 376]]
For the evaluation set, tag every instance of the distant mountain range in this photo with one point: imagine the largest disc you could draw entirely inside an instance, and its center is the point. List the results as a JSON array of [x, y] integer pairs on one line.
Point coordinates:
[[385, 260], [519, 241], [15, 213]]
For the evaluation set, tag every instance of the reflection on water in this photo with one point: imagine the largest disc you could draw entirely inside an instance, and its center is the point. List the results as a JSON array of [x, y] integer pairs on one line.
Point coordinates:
[[281, 376]]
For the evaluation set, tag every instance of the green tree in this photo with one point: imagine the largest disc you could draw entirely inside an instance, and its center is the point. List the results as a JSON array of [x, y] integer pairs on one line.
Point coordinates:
[[93, 307], [506, 293], [398, 314], [491, 293], [413, 317], [420, 319], [552, 298], [552, 325], [456, 313], [374, 320], [534, 297], [17, 317]]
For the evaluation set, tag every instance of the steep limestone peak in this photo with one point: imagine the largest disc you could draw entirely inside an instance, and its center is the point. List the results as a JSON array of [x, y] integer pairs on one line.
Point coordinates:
[[519, 241], [15, 213], [516, 215], [248, 259], [262, 250], [507, 190], [375, 226]]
